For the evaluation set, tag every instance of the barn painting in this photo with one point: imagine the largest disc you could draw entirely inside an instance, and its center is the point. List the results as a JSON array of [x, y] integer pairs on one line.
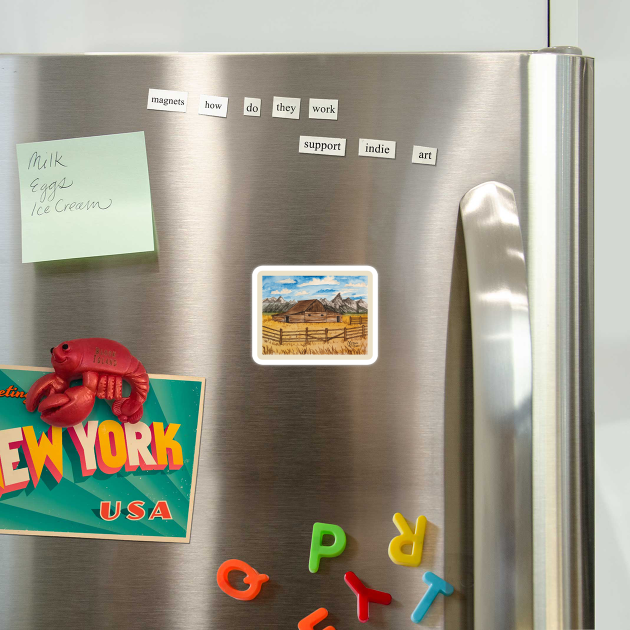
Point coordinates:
[[306, 311], [312, 315]]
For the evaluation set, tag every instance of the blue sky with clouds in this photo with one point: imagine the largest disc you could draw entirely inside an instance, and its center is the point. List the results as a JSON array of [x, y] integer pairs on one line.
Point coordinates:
[[307, 287]]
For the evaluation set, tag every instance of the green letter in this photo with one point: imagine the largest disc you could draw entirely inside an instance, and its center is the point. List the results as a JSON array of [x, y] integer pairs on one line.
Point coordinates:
[[319, 551]]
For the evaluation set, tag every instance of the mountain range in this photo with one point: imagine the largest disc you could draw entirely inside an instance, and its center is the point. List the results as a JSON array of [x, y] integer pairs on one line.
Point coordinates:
[[337, 304], [276, 305]]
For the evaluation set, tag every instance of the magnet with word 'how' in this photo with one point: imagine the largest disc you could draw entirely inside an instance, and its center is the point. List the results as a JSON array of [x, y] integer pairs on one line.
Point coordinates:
[[308, 623], [365, 595], [319, 550], [252, 577], [436, 586], [407, 537]]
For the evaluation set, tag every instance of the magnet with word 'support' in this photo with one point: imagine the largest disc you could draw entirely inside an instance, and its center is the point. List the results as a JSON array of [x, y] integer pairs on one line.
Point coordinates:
[[365, 595], [252, 577], [407, 537], [309, 623]]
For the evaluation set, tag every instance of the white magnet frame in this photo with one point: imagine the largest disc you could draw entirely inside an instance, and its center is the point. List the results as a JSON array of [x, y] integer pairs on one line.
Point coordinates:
[[312, 270]]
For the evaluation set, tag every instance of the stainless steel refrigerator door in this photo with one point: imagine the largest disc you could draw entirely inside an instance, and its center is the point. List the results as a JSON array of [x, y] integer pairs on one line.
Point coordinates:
[[282, 447]]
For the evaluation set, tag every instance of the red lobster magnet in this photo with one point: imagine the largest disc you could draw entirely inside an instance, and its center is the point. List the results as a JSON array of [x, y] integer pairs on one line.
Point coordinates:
[[102, 364]]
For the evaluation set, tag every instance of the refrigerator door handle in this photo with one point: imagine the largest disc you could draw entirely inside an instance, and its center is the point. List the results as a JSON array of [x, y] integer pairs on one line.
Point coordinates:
[[502, 374]]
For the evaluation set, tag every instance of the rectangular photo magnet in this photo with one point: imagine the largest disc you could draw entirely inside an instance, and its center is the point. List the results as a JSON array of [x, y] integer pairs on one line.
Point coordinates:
[[317, 315]]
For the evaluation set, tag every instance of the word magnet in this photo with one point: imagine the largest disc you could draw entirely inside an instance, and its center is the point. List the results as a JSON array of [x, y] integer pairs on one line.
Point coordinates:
[[424, 155], [167, 100], [377, 148], [251, 106], [213, 106], [285, 107], [407, 537], [252, 577], [323, 108], [319, 550]]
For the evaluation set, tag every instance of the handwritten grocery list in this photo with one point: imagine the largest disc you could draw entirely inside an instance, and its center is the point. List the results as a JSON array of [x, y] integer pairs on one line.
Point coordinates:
[[85, 197]]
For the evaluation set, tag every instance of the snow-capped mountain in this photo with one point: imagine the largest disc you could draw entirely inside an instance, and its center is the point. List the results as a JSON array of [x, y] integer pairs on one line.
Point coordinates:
[[348, 305], [276, 305]]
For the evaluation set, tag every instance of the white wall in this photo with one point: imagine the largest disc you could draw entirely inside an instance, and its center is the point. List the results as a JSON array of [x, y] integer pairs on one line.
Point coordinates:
[[604, 29], [262, 25]]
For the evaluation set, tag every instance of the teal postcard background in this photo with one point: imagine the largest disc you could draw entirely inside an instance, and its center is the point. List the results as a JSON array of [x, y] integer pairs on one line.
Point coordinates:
[[72, 505]]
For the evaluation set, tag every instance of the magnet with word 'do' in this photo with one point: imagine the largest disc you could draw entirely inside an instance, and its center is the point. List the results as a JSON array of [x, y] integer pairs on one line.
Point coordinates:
[[252, 577], [407, 537]]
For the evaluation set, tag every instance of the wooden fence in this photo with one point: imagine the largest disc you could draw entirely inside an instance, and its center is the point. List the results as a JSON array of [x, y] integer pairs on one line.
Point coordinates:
[[361, 319], [279, 336]]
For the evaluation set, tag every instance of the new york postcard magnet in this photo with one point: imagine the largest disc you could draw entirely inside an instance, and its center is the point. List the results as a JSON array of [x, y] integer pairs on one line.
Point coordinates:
[[316, 315]]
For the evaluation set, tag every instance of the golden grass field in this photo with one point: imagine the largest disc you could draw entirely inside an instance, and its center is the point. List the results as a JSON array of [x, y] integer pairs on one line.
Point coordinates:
[[336, 346]]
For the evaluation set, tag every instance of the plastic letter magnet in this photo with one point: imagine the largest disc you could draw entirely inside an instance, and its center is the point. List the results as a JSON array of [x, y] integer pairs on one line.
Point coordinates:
[[319, 551], [365, 596], [252, 577], [308, 623], [436, 586], [407, 537]]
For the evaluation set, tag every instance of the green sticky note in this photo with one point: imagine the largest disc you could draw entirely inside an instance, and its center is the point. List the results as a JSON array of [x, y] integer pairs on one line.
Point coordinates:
[[85, 197]]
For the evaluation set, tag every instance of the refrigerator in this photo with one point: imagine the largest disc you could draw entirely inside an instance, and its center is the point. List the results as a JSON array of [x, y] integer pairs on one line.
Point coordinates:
[[475, 409]]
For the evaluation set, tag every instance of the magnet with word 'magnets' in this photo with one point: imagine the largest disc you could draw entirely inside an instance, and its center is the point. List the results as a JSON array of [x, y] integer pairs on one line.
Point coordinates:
[[407, 537], [309, 623], [252, 577], [319, 551]]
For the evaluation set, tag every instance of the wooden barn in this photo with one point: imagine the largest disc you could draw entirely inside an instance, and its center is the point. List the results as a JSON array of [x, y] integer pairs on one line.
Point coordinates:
[[307, 311]]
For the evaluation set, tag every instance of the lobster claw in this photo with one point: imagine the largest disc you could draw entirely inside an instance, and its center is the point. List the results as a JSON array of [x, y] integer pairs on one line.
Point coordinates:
[[43, 386], [68, 408]]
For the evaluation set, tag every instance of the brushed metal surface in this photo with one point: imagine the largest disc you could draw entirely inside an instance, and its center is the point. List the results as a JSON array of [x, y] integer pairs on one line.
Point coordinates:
[[281, 447], [502, 368]]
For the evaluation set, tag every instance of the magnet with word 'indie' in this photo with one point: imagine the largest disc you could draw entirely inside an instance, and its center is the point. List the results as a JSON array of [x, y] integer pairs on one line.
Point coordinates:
[[102, 364], [407, 537], [252, 577], [309, 623], [365, 595], [436, 586], [319, 550]]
